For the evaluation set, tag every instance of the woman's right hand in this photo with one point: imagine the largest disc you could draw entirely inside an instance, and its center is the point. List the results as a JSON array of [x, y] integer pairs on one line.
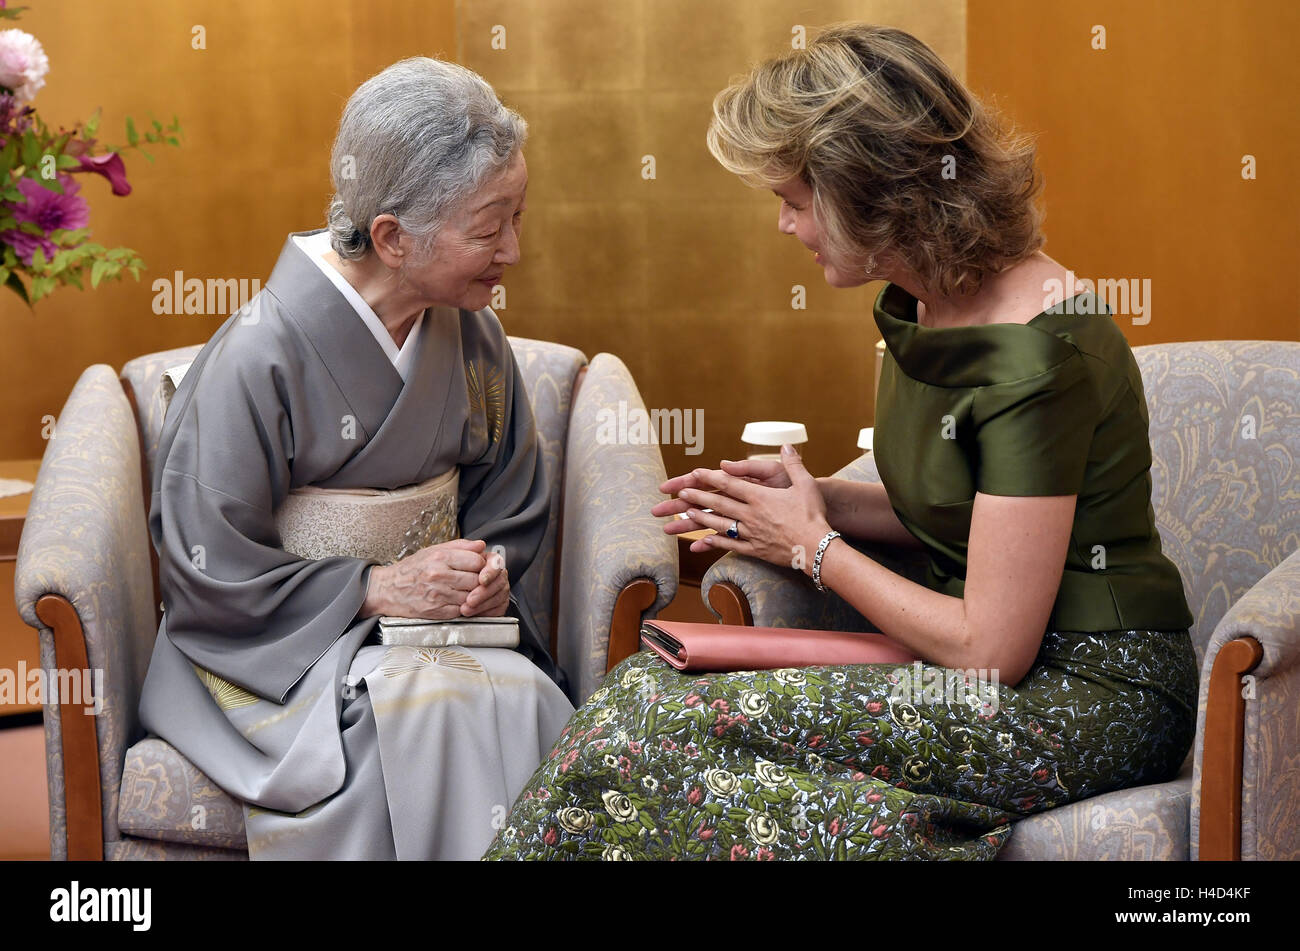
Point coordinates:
[[432, 583], [768, 472]]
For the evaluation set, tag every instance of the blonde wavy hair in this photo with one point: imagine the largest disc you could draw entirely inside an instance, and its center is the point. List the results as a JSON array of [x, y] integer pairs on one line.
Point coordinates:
[[866, 117]]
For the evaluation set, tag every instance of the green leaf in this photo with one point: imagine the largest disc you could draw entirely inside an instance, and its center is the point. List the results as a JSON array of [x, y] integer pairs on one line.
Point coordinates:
[[97, 271], [92, 123], [158, 126], [31, 149], [15, 284], [38, 259], [172, 140], [132, 137], [146, 155], [41, 286], [66, 161], [73, 278]]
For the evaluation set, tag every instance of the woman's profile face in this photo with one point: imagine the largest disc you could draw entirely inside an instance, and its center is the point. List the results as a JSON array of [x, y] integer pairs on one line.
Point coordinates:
[[476, 245], [796, 218]]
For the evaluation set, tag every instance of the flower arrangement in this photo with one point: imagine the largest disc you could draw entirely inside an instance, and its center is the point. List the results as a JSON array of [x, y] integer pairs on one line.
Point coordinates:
[[43, 217]]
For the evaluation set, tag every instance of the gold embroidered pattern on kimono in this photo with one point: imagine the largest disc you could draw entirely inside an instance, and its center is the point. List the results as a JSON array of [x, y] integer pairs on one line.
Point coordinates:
[[227, 695], [405, 660], [487, 400]]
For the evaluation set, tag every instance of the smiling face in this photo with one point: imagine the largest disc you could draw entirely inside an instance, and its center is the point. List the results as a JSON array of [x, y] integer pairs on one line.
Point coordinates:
[[796, 218], [476, 244]]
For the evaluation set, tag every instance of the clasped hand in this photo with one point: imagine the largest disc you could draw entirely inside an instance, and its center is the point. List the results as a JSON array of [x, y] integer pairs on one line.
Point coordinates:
[[458, 578], [779, 509]]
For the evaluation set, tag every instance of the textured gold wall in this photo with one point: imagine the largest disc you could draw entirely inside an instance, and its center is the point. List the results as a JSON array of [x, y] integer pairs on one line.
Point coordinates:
[[1141, 145], [684, 276]]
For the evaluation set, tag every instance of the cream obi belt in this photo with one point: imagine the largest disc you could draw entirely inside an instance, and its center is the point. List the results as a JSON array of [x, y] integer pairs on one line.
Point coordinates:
[[382, 525]]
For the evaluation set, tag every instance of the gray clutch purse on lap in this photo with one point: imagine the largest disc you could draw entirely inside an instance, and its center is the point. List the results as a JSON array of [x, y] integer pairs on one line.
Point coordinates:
[[462, 632]]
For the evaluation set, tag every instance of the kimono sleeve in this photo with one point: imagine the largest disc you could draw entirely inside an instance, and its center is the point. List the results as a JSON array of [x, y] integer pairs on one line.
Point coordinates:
[[235, 602], [1033, 436]]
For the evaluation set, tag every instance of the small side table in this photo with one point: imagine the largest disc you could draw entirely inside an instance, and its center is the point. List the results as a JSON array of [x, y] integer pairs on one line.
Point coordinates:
[[692, 566], [18, 642]]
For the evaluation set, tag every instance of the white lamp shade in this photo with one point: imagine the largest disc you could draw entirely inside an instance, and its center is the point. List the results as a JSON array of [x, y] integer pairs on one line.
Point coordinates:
[[864, 437], [773, 433]]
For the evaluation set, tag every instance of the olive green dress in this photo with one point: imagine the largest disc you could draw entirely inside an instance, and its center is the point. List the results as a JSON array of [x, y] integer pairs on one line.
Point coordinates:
[[890, 761]]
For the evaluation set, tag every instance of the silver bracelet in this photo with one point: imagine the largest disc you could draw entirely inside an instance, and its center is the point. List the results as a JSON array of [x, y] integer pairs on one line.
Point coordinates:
[[817, 558]]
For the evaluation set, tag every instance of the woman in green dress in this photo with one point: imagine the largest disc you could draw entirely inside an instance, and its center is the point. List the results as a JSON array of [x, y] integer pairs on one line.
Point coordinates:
[[1011, 440]]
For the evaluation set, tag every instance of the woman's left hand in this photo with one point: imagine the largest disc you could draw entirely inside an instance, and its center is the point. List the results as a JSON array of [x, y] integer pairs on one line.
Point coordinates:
[[781, 526]]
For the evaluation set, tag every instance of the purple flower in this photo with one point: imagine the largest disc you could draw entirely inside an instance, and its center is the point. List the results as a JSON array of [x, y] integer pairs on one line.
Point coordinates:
[[110, 166], [49, 211]]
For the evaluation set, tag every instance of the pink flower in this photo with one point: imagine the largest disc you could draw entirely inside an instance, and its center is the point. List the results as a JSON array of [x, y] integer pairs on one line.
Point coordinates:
[[569, 760], [875, 706], [739, 852], [880, 831], [694, 796], [816, 741], [23, 64], [551, 836], [110, 166], [704, 832], [764, 854], [835, 826], [881, 771], [634, 747], [865, 739], [722, 705], [692, 700], [667, 744]]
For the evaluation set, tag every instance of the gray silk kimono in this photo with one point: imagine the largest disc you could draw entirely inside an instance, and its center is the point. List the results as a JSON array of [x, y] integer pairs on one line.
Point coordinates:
[[263, 674]]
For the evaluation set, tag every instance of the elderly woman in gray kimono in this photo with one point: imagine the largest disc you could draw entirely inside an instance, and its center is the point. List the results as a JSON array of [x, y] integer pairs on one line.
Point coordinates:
[[369, 361]]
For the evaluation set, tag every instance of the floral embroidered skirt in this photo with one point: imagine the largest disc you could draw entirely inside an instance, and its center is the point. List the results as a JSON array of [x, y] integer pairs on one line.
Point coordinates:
[[853, 762]]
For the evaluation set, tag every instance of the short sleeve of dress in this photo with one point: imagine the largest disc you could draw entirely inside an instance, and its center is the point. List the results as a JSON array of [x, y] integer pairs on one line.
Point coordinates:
[[1033, 435]]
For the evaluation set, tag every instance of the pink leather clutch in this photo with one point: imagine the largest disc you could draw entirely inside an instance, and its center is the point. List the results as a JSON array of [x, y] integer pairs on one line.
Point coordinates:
[[726, 647]]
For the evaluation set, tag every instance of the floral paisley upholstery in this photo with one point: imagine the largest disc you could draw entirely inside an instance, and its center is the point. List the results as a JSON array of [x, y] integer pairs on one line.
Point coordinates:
[[86, 538], [1225, 474], [165, 796]]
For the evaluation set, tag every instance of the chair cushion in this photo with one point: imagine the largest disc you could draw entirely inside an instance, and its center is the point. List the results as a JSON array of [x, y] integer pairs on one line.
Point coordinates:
[[1142, 824], [165, 796]]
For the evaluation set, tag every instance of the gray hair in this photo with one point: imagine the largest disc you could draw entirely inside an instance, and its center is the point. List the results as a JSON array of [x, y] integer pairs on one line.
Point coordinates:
[[414, 141]]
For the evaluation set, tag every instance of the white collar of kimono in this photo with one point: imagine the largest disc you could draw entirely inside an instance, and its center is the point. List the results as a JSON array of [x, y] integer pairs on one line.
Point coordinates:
[[316, 246]]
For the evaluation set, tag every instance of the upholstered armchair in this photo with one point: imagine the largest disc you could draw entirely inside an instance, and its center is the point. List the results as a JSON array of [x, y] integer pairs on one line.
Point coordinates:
[[1225, 441], [87, 581]]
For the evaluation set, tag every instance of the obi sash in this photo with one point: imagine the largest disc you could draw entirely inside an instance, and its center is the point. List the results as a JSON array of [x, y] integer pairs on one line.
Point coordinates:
[[384, 525]]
